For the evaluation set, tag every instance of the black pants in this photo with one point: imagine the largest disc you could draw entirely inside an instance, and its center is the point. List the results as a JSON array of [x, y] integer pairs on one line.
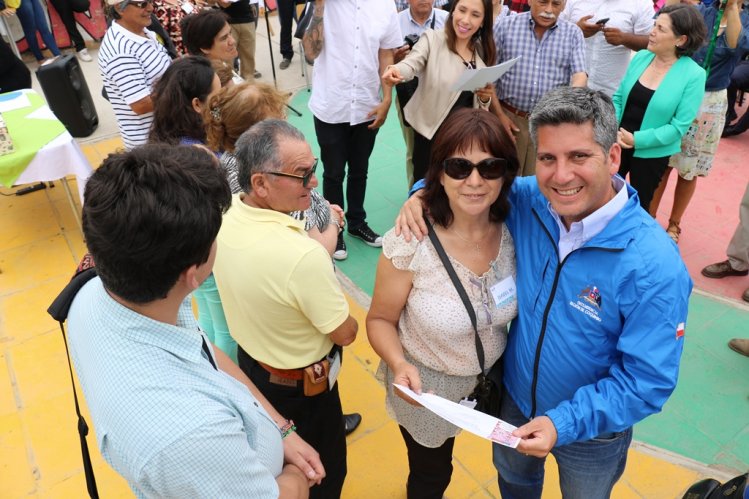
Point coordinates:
[[319, 421], [644, 174], [422, 154], [342, 143], [66, 14], [430, 469], [285, 15]]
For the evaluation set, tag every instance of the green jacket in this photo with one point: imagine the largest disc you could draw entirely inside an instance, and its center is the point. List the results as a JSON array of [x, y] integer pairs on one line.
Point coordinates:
[[672, 109]]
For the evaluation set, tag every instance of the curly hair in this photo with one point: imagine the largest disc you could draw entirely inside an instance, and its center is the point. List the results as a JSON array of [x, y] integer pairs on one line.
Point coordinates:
[[463, 130], [236, 108]]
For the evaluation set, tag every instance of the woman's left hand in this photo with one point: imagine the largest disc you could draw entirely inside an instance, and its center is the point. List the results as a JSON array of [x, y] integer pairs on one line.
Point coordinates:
[[337, 212], [485, 94], [625, 139]]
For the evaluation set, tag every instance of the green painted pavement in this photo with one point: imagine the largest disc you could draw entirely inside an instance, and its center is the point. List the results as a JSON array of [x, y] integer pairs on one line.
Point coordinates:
[[707, 417]]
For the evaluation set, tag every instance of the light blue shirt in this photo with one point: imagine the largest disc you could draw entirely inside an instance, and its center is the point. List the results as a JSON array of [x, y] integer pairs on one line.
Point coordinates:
[[165, 419], [409, 26], [586, 229]]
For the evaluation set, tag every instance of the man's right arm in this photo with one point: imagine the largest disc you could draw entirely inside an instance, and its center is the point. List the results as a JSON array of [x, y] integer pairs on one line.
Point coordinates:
[[314, 37], [345, 334]]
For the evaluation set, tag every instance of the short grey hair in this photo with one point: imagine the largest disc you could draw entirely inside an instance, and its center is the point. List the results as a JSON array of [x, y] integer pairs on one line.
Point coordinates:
[[257, 148], [576, 105]]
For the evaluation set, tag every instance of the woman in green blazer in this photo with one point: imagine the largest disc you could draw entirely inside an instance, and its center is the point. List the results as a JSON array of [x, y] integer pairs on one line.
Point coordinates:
[[659, 97]]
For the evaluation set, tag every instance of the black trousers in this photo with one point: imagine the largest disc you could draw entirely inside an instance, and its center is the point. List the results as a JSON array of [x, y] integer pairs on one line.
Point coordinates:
[[341, 144], [644, 174], [319, 421], [430, 469], [422, 155], [66, 14], [285, 16]]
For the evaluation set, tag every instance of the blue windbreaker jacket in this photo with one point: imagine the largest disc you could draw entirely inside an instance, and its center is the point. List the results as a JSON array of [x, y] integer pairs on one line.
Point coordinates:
[[598, 337]]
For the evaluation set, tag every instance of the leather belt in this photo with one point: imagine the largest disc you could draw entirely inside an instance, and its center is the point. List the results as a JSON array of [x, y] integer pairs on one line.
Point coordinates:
[[294, 374], [514, 110]]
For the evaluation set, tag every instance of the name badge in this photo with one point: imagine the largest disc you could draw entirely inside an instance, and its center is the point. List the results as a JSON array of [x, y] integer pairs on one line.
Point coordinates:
[[504, 292], [335, 368]]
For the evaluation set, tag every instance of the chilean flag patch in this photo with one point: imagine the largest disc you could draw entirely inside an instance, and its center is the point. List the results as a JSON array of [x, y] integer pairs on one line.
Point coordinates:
[[680, 330]]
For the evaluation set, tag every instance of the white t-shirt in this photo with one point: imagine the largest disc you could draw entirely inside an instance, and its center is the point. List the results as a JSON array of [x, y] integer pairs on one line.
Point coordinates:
[[130, 65], [606, 63], [346, 75]]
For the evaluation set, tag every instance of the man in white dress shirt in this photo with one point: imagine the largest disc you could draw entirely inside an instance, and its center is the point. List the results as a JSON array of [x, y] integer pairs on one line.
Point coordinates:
[[351, 42], [609, 45]]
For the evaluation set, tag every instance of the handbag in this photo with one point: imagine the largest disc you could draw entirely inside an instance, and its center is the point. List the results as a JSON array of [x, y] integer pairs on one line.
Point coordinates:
[[488, 390]]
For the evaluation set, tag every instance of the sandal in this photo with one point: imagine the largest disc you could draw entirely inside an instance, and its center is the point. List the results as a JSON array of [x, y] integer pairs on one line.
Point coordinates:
[[673, 231]]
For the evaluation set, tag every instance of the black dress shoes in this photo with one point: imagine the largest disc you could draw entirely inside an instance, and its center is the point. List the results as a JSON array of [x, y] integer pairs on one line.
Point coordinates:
[[351, 422]]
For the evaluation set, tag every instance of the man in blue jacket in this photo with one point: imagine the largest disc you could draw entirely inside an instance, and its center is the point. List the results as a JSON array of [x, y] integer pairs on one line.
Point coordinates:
[[602, 302]]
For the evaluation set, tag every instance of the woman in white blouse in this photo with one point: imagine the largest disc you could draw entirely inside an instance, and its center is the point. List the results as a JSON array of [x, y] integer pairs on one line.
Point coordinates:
[[417, 323]]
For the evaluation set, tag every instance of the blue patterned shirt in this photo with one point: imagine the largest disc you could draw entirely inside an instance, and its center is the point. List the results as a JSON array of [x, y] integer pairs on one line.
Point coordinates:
[[165, 419], [544, 64]]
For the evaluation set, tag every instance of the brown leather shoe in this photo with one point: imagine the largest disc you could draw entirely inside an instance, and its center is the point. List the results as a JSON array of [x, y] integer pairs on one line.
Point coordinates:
[[722, 269], [739, 345]]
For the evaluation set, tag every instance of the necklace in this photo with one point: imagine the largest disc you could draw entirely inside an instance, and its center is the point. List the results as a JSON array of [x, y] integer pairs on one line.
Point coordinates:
[[476, 244], [469, 64]]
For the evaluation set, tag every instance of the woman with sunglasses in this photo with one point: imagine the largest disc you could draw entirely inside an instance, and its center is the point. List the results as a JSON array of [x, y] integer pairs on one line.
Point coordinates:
[[438, 59], [417, 322]]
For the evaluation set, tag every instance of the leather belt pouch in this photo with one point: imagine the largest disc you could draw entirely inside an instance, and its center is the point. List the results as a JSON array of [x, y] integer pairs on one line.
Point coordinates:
[[316, 378]]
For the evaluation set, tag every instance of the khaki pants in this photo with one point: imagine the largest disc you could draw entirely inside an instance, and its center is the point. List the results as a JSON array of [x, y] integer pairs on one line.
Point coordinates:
[[524, 145], [738, 248], [244, 35]]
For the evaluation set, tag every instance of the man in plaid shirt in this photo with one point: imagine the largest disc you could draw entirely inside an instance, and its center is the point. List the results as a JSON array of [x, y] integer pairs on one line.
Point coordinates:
[[552, 54]]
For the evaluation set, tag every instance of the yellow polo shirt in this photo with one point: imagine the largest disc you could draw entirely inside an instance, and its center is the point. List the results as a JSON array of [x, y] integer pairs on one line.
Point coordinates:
[[278, 288]]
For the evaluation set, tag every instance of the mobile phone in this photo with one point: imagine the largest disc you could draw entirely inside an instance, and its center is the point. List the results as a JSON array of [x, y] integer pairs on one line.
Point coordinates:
[[603, 21]]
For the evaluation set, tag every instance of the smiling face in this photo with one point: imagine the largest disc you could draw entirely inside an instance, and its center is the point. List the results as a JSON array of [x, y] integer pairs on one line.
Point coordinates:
[[135, 16], [467, 18], [546, 12], [474, 194], [662, 40], [573, 171], [224, 46]]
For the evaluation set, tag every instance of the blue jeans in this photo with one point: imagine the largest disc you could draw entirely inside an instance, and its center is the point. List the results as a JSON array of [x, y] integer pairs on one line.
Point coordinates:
[[587, 470], [33, 19]]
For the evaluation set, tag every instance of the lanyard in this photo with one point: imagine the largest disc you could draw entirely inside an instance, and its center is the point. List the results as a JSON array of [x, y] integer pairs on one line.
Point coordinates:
[[714, 38]]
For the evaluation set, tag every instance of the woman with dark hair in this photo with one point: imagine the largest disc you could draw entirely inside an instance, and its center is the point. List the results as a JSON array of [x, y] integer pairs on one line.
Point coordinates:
[[417, 322], [437, 59], [700, 143], [659, 97], [179, 97], [208, 33]]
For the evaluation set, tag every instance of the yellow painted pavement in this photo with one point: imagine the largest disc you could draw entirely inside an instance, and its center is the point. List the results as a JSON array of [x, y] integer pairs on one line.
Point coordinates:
[[40, 246]]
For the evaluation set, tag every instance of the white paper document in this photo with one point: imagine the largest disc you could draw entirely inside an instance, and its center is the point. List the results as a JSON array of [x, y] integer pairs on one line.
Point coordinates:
[[476, 422], [473, 79]]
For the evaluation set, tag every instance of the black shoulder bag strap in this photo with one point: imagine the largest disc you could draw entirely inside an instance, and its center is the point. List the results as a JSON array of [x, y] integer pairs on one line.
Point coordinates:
[[461, 292], [59, 312]]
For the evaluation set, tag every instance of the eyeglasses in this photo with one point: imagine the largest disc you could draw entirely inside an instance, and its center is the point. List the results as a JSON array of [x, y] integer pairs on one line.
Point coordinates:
[[304, 178], [141, 5], [489, 168]]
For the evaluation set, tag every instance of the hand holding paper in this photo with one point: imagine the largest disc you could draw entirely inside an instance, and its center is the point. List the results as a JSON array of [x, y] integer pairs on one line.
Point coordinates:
[[476, 422]]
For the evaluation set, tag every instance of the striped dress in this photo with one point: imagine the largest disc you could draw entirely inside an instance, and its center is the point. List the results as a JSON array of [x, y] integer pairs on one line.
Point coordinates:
[[130, 65]]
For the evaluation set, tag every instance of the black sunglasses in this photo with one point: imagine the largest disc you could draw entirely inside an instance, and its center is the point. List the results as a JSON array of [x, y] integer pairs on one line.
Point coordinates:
[[141, 5], [304, 178], [489, 168]]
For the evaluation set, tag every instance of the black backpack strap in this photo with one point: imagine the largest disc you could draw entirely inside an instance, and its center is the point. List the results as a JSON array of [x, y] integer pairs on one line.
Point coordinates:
[[59, 311]]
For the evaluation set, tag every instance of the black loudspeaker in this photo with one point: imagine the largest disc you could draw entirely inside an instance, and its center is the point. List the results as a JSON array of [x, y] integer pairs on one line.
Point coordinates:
[[67, 94]]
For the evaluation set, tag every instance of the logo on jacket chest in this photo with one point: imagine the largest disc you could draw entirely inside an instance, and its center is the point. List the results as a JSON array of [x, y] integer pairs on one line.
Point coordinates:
[[588, 301]]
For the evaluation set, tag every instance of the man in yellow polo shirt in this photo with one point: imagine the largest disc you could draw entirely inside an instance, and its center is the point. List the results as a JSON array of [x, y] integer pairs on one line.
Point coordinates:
[[283, 304]]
